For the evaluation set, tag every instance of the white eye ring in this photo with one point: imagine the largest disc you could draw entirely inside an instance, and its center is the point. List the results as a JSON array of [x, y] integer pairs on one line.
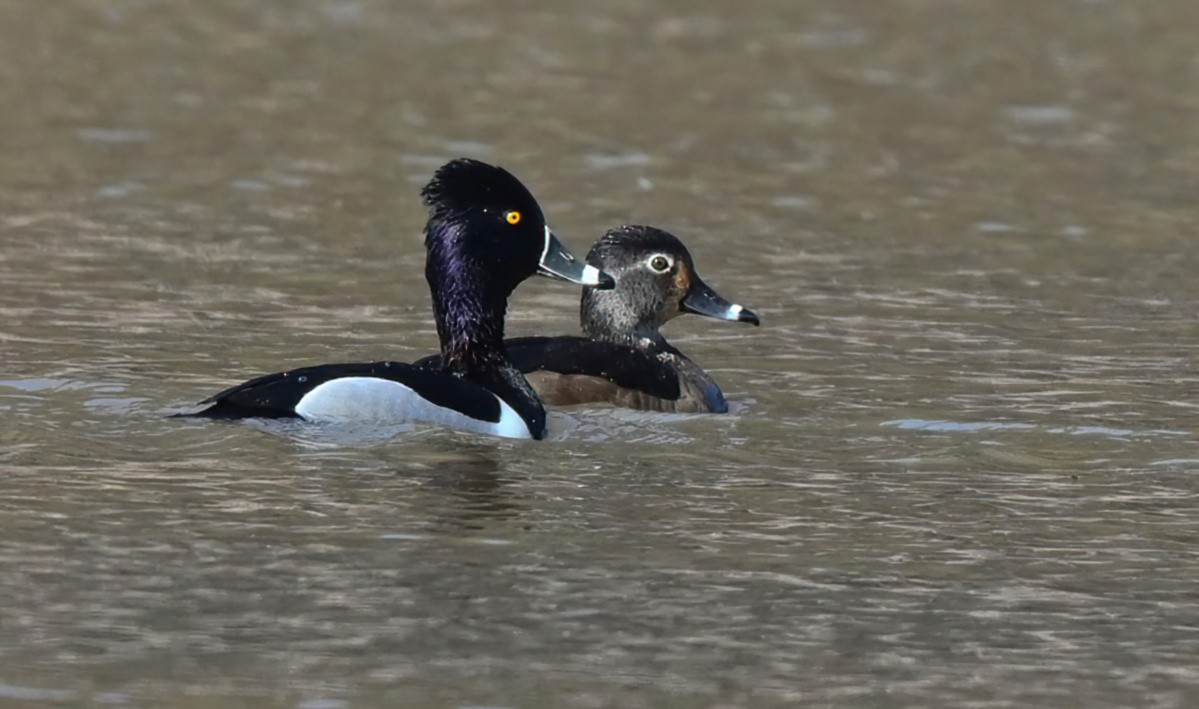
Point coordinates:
[[659, 263]]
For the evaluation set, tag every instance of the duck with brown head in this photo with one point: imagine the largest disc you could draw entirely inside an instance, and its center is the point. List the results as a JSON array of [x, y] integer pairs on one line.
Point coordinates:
[[623, 359]]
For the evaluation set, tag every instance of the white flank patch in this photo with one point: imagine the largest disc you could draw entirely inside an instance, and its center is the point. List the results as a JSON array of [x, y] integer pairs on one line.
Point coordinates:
[[383, 401]]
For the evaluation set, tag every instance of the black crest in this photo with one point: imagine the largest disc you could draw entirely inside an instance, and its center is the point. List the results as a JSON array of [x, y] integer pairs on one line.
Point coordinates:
[[466, 185]]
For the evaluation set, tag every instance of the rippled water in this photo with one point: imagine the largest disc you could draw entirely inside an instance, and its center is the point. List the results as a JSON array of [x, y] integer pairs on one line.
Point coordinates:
[[961, 468]]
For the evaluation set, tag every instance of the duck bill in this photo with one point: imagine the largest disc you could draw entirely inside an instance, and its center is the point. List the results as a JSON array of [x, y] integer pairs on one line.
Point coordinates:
[[702, 300], [558, 263]]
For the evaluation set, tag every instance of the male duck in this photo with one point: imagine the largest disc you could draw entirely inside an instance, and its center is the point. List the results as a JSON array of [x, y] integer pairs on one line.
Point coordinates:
[[485, 234], [624, 359]]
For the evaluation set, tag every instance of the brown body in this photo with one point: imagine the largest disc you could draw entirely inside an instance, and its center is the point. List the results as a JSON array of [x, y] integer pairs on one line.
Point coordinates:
[[556, 389]]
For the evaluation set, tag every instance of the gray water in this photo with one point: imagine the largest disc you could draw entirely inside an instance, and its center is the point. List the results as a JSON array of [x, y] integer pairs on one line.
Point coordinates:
[[961, 466]]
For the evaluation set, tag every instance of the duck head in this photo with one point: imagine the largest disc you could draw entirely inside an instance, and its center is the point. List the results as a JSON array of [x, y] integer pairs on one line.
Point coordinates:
[[485, 234], [481, 216], [656, 282]]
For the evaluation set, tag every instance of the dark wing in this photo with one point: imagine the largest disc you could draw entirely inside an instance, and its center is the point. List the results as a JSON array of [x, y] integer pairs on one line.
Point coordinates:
[[430, 362], [626, 367], [276, 395]]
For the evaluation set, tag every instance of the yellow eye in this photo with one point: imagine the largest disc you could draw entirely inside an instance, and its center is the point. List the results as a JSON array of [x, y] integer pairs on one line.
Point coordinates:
[[512, 217]]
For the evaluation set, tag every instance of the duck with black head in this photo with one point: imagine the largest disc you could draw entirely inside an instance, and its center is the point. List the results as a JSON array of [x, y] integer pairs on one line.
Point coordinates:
[[484, 236], [623, 359]]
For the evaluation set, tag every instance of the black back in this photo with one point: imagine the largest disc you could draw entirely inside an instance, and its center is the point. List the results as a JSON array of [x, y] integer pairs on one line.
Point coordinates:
[[624, 366], [276, 395]]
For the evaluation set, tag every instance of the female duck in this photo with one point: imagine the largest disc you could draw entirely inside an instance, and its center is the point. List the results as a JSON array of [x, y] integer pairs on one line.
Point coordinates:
[[485, 234], [624, 359]]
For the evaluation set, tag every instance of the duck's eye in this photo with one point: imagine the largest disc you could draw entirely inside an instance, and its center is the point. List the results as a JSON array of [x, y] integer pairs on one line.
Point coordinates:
[[512, 217], [659, 263]]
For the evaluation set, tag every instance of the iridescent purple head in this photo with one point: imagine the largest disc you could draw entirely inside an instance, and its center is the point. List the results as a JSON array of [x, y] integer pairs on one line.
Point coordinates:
[[485, 234]]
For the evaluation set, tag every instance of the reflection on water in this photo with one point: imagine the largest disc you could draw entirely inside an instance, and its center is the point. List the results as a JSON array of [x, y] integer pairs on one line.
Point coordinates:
[[960, 463], [980, 426]]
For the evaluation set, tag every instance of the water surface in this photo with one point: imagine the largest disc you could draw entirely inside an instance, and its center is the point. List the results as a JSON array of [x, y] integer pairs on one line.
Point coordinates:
[[961, 467]]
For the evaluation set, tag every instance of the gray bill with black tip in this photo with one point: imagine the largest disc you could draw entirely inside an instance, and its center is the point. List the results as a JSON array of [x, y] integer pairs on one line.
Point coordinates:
[[702, 300]]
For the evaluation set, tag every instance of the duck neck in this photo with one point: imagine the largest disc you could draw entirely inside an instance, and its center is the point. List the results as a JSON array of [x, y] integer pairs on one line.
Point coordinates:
[[602, 318], [472, 346], [642, 336], [469, 305], [470, 326]]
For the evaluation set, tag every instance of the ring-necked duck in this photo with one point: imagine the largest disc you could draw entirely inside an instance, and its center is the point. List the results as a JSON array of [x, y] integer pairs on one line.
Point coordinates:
[[624, 359], [485, 234]]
